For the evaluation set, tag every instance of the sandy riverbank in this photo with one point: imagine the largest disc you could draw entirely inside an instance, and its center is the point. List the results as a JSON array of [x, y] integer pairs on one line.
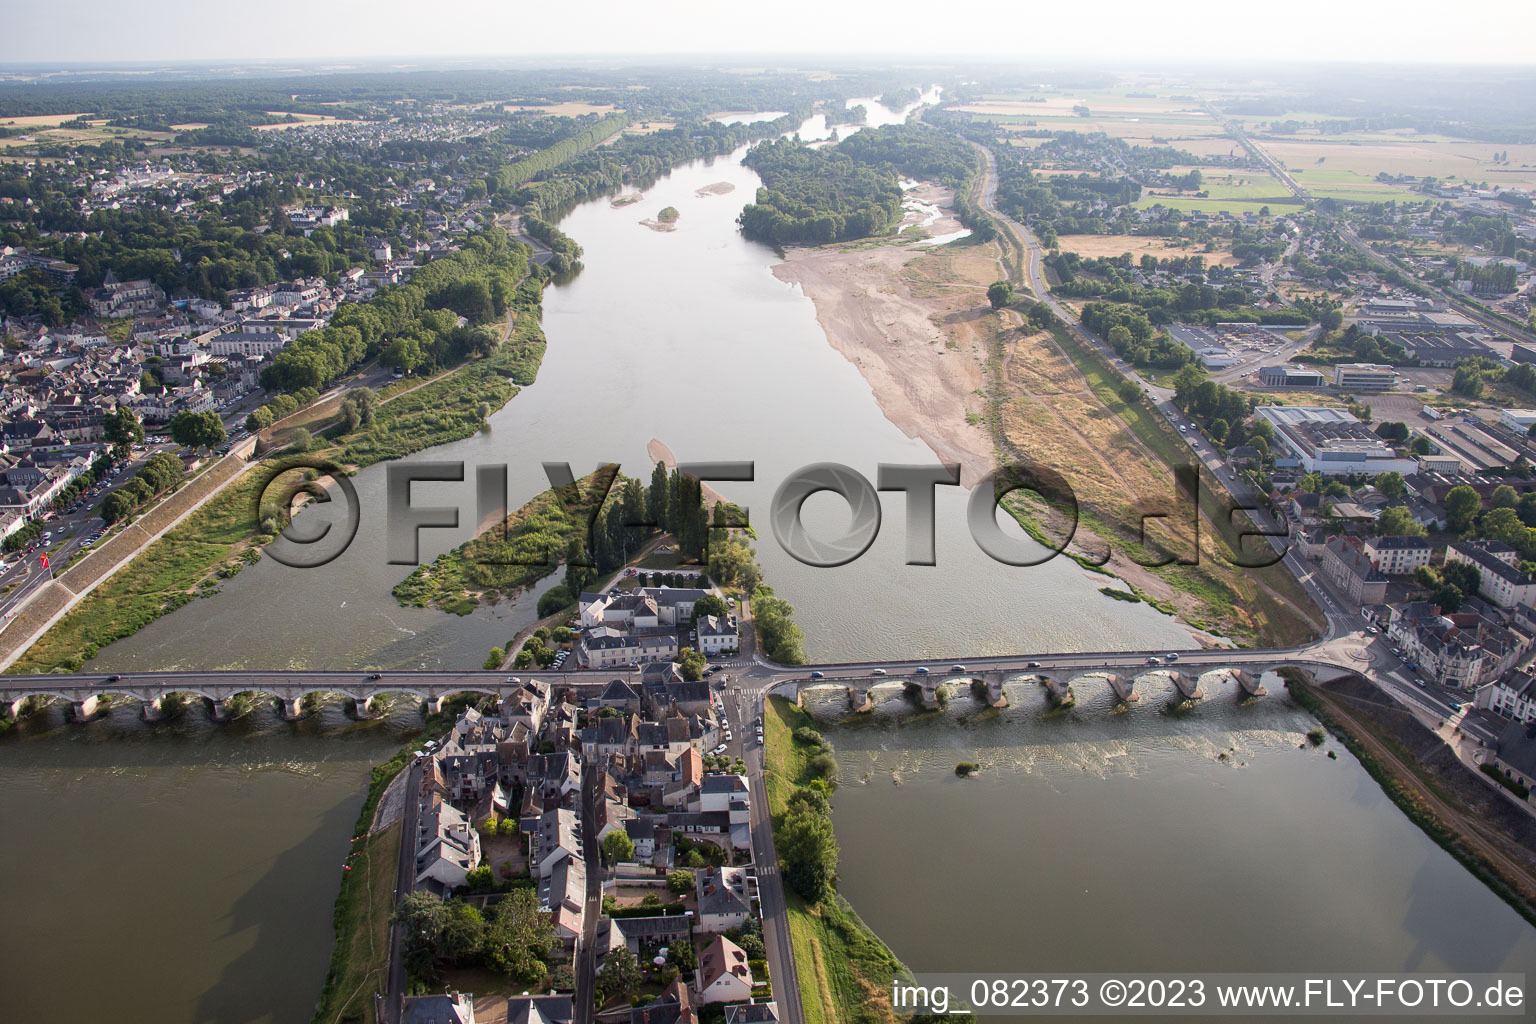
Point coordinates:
[[915, 321]]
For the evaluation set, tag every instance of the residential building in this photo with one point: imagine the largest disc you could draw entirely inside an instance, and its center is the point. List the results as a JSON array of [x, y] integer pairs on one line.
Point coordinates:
[[1516, 757], [717, 634], [723, 900], [1513, 697], [1398, 555], [723, 975], [1499, 581], [1352, 572], [447, 845], [447, 1008]]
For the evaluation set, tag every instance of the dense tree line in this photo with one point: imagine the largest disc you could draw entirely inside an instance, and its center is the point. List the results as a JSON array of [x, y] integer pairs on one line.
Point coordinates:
[[512, 936], [159, 473], [851, 190], [414, 325]]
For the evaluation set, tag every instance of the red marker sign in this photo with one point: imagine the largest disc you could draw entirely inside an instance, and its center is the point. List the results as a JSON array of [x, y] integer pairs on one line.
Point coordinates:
[[43, 559]]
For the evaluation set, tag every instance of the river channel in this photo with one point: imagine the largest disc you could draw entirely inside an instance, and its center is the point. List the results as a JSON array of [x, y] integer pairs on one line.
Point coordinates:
[[1212, 839], [184, 873], [685, 336]]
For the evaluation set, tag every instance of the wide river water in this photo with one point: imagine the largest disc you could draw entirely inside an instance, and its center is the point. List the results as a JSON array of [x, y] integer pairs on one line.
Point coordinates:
[[1215, 839], [186, 871]]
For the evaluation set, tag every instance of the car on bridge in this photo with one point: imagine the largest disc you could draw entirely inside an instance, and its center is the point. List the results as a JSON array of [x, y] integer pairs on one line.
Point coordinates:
[[818, 675], [957, 668], [877, 672]]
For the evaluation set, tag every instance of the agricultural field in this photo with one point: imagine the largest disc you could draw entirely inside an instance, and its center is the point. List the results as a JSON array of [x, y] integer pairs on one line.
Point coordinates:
[[1438, 156], [303, 120], [570, 108], [99, 132], [648, 127], [1237, 207], [1099, 246], [40, 120], [1144, 120]]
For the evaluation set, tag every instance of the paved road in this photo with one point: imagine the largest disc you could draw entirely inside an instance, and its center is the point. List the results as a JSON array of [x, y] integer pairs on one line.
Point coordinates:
[[405, 881], [586, 947]]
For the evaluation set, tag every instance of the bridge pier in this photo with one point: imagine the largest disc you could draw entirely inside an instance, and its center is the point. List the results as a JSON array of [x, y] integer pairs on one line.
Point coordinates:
[[218, 711], [1251, 687], [1059, 693], [85, 710], [1189, 688], [152, 710], [1124, 687], [291, 710], [362, 709], [858, 698]]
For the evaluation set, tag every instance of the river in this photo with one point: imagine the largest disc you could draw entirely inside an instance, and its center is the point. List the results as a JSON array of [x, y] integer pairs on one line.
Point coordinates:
[[186, 871], [686, 336], [1215, 840]]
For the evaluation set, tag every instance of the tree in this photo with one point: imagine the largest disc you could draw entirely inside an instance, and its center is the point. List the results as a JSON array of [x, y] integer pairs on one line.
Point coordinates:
[[619, 975], [1391, 484], [260, 419], [423, 917], [518, 936], [999, 294], [123, 431], [1397, 521], [709, 604], [1421, 445], [1461, 505], [680, 881], [200, 430], [1504, 496], [808, 847], [1468, 379], [1464, 576], [1503, 524], [657, 509], [691, 664], [617, 846], [579, 572], [683, 956], [1128, 390]]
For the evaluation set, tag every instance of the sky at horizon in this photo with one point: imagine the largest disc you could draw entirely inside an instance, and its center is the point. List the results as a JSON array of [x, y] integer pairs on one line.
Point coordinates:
[[1376, 31]]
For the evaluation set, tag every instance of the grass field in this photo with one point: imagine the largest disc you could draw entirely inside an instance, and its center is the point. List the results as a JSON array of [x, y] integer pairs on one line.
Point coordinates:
[[1396, 154], [1236, 207], [1265, 606], [1138, 246], [570, 108], [361, 956], [40, 120], [844, 969]]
